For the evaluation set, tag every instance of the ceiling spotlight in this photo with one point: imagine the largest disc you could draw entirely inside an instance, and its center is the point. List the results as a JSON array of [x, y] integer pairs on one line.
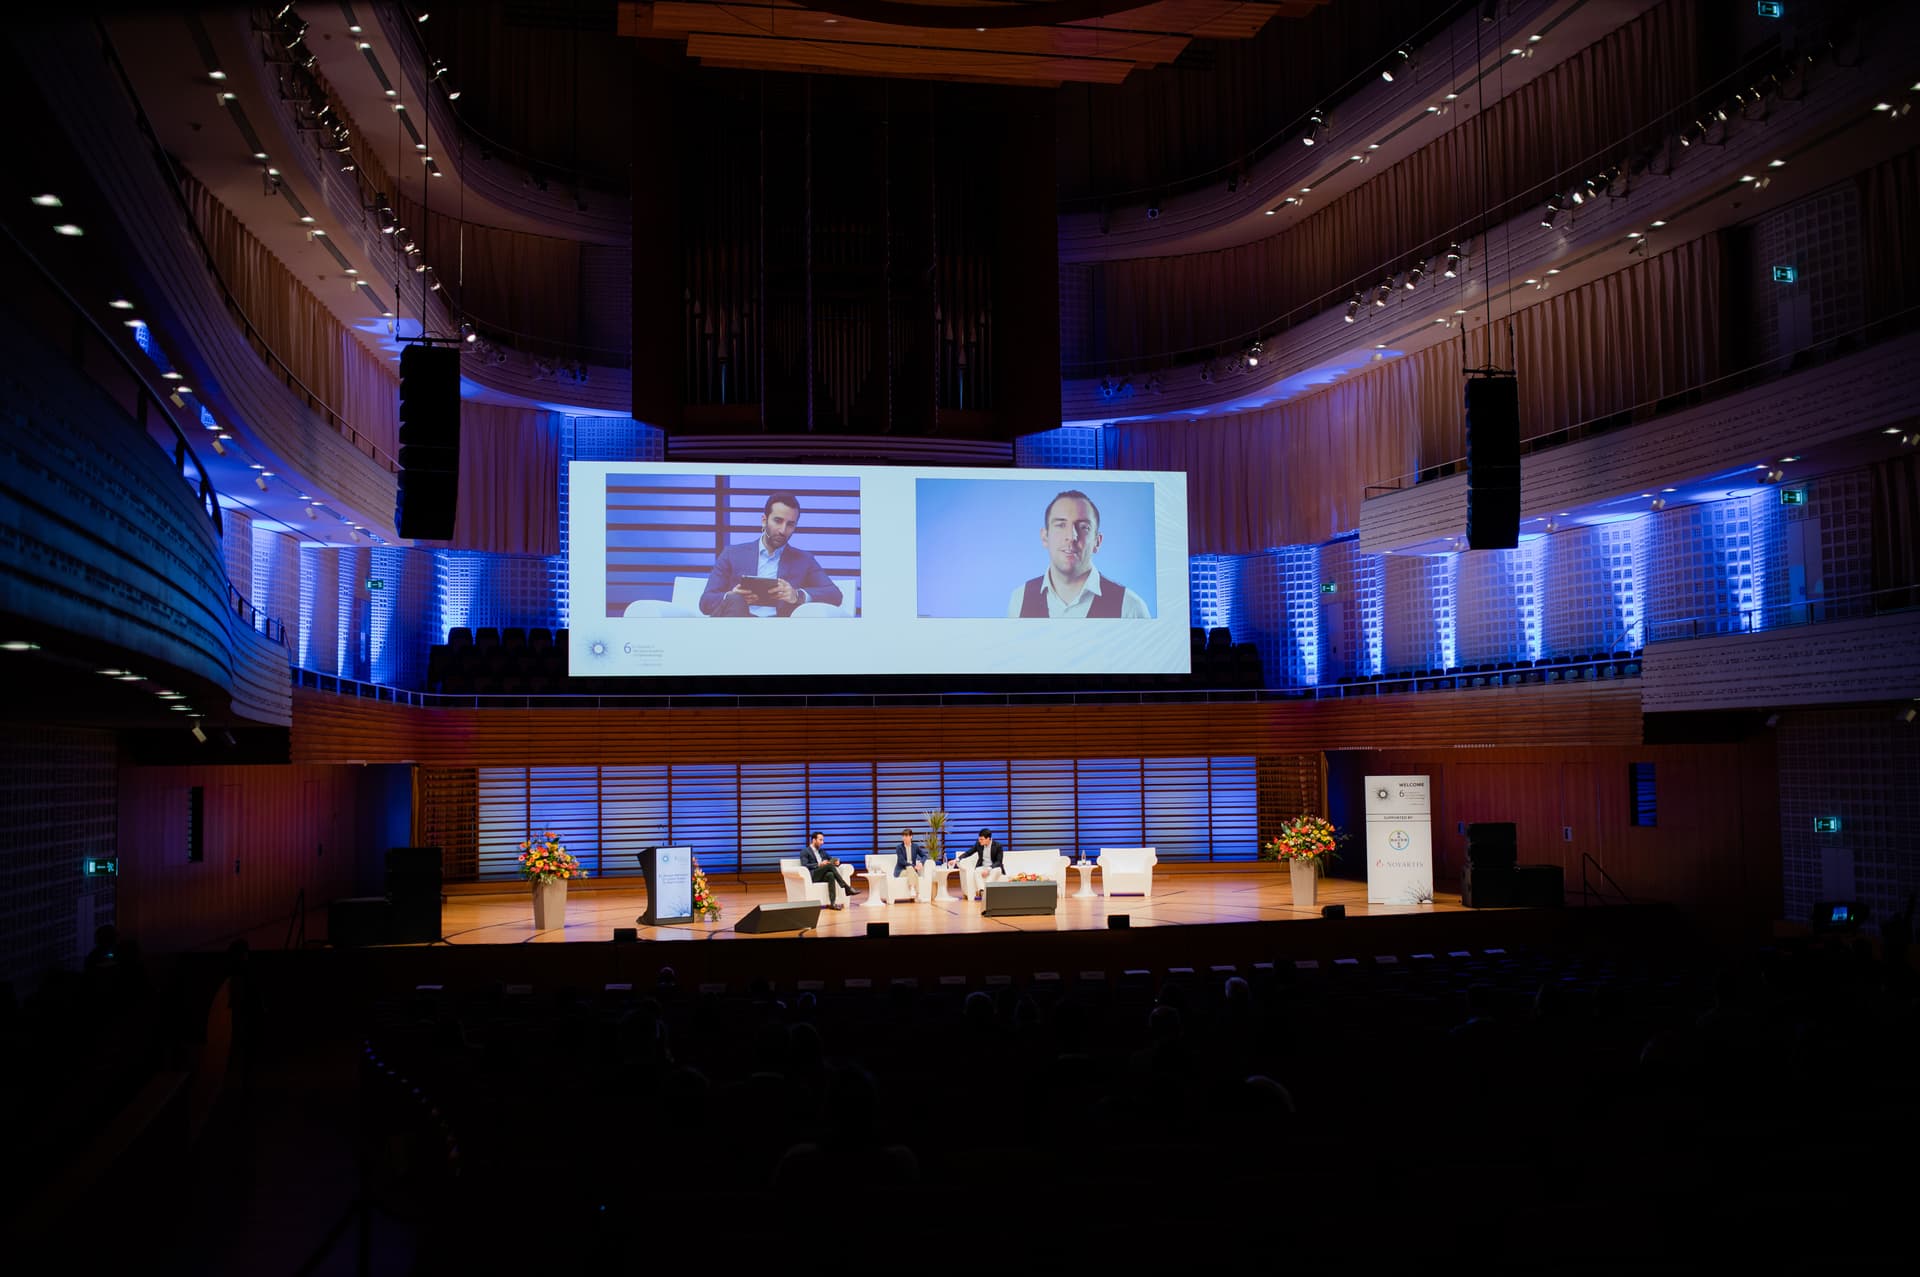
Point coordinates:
[[1399, 61], [1579, 195], [1153, 211], [1353, 308], [1253, 353], [218, 449], [1416, 274], [1453, 262], [260, 482], [1381, 293], [19, 645], [1316, 127], [1659, 503], [68, 229], [46, 201], [467, 333]]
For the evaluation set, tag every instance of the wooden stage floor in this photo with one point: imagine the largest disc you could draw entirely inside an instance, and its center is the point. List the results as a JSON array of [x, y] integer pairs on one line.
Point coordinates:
[[486, 914]]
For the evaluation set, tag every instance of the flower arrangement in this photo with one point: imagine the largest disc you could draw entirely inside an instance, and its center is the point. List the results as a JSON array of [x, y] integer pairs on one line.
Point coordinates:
[[1030, 878], [1308, 837], [704, 903], [543, 859]]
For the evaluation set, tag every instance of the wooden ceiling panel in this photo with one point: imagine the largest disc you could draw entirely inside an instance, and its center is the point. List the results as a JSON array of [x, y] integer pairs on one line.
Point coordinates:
[[786, 36]]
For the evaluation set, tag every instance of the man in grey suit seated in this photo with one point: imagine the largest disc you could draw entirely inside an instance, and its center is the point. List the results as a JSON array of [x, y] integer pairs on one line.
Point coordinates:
[[910, 855], [824, 868]]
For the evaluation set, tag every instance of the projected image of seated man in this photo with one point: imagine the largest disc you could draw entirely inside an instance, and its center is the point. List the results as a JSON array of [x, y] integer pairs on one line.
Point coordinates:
[[1072, 587], [768, 576]]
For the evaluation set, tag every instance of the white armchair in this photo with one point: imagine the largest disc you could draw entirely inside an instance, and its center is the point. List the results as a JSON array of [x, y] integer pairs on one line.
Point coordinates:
[[686, 593], [885, 889], [657, 608], [800, 884], [817, 608], [1127, 871], [1048, 862]]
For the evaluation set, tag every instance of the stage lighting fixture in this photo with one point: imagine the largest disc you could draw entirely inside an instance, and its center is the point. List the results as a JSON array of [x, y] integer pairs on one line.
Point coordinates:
[[1398, 63], [1316, 127], [1381, 293], [1153, 211], [1106, 388], [1253, 354], [1453, 262], [1353, 308], [1416, 274], [467, 333]]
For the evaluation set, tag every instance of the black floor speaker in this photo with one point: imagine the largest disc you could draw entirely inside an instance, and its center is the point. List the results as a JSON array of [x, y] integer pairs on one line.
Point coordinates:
[[413, 885], [1482, 888], [360, 920], [788, 915], [1493, 463]]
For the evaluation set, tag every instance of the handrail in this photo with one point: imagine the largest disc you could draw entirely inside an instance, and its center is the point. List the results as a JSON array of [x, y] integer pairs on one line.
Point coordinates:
[[183, 451], [1661, 134], [1794, 613], [1853, 341], [297, 921], [1589, 892], [255, 337]]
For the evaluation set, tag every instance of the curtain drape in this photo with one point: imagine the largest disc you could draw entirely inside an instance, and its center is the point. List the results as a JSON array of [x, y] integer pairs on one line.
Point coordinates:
[[509, 480], [320, 351], [1890, 234], [509, 283], [1297, 473], [1541, 134], [1895, 524]]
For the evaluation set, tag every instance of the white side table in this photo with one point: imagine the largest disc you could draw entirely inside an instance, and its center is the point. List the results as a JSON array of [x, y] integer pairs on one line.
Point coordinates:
[[1085, 869], [933, 879]]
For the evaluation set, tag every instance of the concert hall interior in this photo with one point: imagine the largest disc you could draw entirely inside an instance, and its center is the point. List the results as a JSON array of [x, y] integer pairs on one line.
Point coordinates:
[[1383, 537]]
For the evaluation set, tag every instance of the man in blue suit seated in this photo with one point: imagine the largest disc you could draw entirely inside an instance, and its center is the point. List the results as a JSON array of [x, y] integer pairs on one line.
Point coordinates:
[[796, 575], [910, 854]]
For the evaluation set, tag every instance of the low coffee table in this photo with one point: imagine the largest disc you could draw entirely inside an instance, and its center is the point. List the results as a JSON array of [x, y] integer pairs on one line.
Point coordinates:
[[1013, 899]]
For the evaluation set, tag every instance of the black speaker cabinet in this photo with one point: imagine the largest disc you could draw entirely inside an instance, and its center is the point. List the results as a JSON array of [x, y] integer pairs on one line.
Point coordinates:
[[413, 885], [1492, 845], [429, 482], [1482, 888], [358, 921], [1540, 886], [787, 915], [1493, 463]]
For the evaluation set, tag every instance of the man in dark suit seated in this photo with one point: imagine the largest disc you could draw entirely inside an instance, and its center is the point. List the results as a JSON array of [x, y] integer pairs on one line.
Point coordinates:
[[824, 868], [910, 854], [981, 861], [796, 575]]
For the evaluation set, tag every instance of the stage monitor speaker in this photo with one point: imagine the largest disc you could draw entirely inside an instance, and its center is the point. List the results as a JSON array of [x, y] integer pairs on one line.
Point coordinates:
[[359, 921], [625, 935], [1493, 463], [1333, 911], [413, 885], [879, 930], [788, 915], [428, 485], [1119, 922]]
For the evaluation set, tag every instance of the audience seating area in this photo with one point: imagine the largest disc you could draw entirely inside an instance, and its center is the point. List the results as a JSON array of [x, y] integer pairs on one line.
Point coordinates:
[[1536, 1107], [507, 661], [1548, 669]]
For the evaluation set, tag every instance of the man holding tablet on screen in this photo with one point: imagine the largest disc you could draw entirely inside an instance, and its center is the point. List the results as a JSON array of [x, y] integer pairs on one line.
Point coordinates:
[[1071, 586], [767, 576]]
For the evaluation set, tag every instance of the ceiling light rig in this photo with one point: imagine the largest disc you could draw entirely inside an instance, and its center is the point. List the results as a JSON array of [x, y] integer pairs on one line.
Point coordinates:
[[1399, 62], [1316, 129]]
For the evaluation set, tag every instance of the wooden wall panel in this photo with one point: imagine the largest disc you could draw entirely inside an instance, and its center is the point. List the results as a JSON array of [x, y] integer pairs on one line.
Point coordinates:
[[286, 827], [334, 729], [1716, 846]]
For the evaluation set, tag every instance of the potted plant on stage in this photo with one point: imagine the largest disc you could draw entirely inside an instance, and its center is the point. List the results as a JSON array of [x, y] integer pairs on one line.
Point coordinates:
[[548, 865], [930, 879], [1306, 843], [705, 906]]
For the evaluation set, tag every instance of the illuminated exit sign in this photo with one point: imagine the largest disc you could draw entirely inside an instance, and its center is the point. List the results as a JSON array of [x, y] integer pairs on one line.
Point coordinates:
[[375, 583], [1826, 824], [100, 867], [1772, 9], [1785, 274]]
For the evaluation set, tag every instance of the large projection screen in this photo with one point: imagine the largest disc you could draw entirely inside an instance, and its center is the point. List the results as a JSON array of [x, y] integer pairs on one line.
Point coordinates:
[[886, 570]]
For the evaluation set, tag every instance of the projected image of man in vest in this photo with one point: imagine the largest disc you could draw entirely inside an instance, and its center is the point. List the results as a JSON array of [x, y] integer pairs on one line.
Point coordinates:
[[1071, 585]]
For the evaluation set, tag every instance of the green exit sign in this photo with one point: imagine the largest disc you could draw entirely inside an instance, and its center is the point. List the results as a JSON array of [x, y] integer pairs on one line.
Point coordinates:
[[1793, 496], [375, 583], [1785, 274], [100, 867], [1772, 9], [1330, 587], [1826, 824]]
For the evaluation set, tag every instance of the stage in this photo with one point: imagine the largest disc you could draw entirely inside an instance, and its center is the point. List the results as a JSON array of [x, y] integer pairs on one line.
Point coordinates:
[[503, 913]]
